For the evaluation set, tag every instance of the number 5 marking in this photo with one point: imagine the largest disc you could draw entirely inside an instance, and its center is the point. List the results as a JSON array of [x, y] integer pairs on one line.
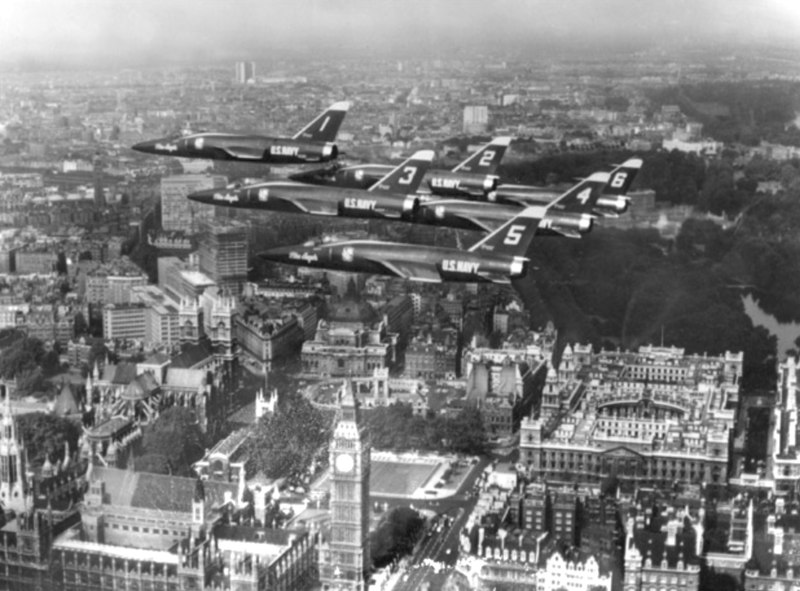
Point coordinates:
[[514, 235], [409, 171]]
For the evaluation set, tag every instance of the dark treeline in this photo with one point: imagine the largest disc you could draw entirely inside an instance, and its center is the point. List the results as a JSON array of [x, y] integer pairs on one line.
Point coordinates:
[[738, 112], [628, 289]]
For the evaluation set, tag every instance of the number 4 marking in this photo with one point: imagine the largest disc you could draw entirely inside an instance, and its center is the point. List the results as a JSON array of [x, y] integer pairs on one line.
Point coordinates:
[[583, 196], [514, 235]]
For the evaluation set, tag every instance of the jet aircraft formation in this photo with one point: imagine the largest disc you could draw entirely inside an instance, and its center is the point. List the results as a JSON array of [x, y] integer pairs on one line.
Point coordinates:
[[468, 197]]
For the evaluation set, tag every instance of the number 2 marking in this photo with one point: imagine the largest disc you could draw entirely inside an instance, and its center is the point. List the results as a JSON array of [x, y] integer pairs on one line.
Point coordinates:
[[409, 171], [486, 159], [514, 235]]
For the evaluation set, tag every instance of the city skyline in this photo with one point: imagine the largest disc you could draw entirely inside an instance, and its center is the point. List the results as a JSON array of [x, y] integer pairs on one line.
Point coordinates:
[[92, 33]]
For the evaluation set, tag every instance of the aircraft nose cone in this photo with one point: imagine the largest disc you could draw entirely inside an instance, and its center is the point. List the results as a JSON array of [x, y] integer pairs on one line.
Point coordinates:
[[148, 147], [205, 196], [279, 254]]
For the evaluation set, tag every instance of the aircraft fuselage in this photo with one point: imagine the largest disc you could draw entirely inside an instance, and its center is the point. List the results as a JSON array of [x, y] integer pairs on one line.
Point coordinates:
[[416, 263], [242, 148]]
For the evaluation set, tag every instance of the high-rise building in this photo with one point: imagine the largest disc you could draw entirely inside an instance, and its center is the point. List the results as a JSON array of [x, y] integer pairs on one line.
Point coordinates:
[[345, 559], [179, 213], [245, 72], [476, 119], [222, 254]]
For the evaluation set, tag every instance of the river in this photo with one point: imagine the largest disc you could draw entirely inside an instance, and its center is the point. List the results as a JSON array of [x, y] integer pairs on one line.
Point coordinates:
[[786, 332]]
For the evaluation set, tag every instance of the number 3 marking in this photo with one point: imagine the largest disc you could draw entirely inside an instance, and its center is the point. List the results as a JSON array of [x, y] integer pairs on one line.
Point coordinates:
[[409, 171]]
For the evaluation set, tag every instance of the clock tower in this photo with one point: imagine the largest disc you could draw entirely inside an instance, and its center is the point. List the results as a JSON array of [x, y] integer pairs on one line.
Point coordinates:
[[345, 560]]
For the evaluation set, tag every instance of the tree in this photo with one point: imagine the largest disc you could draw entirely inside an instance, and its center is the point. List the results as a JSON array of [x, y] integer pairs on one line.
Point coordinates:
[[395, 536], [177, 436], [44, 435], [23, 356], [289, 443]]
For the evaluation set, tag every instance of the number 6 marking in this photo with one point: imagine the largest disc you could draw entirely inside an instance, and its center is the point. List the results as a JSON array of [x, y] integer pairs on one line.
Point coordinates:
[[619, 180]]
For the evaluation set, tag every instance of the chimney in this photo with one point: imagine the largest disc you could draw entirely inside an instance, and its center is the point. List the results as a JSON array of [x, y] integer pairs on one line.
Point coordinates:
[[777, 549], [672, 531]]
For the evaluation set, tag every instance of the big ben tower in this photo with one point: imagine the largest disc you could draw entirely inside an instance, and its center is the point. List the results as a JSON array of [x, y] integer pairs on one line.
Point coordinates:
[[345, 563]]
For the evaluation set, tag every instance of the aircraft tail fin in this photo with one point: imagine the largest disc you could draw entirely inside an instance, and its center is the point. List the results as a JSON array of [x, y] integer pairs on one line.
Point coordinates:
[[515, 236], [622, 177], [407, 177], [582, 197], [487, 159], [325, 127]]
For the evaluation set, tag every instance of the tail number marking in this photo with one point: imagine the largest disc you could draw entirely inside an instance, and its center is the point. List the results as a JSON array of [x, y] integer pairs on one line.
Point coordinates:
[[619, 180], [514, 235], [409, 171], [583, 196], [486, 159]]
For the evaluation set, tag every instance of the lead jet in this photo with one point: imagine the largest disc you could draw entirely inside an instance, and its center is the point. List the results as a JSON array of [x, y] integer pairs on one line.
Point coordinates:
[[571, 214], [498, 258], [391, 198], [474, 177], [312, 144]]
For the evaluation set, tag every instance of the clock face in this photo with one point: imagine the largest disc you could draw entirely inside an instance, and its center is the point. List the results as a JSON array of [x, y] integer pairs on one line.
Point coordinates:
[[344, 463]]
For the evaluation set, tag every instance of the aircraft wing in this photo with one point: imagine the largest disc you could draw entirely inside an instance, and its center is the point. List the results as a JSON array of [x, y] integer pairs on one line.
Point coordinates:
[[566, 232], [412, 271], [495, 278], [244, 152]]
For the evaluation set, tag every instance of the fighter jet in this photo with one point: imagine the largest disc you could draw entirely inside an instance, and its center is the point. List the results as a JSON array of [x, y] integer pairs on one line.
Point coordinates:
[[497, 258], [474, 177], [571, 214], [391, 198], [312, 144], [612, 203]]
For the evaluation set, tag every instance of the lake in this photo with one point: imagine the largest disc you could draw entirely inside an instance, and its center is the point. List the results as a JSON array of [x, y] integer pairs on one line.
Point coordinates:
[[786, 332]]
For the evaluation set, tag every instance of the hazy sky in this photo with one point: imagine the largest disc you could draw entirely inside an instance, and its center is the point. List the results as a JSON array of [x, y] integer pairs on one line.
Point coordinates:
[[149, 31]]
